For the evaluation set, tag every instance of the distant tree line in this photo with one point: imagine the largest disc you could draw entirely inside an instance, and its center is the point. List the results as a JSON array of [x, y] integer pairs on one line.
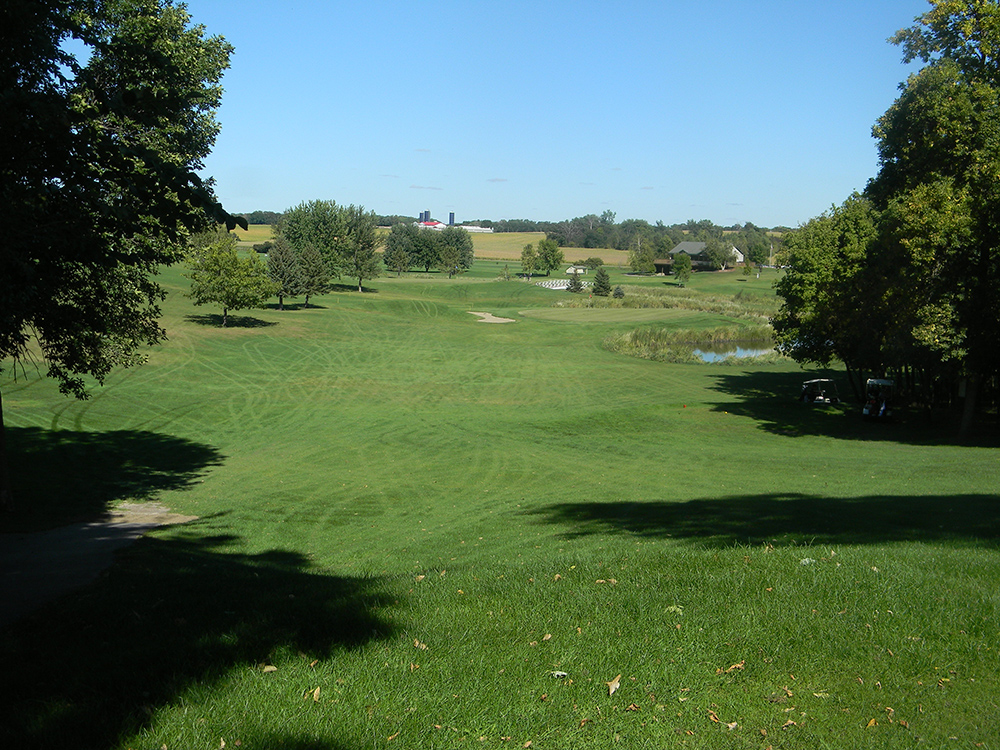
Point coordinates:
[[262, 217]]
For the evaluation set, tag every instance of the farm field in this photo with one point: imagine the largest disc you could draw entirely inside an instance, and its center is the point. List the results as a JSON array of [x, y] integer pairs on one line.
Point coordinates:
[[416, 529]]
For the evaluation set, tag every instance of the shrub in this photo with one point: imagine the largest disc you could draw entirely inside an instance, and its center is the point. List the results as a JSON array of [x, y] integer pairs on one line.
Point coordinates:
[[619, 293]]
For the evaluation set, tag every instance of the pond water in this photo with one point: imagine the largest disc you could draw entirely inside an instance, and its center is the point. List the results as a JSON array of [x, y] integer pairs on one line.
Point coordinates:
[[726, 349]]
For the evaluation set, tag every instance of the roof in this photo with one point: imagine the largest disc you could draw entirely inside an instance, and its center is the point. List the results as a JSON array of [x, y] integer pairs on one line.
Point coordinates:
[[690, 248]]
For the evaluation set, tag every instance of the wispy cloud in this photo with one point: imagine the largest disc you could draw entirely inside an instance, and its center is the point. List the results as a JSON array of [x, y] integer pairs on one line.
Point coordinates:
[[424, 187], [497, 179]]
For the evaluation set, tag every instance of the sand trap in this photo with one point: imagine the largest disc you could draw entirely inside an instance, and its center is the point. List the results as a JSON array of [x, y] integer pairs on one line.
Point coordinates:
[[491, 318]]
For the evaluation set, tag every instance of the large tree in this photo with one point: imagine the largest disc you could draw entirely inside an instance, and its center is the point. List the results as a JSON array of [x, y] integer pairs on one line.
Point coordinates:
[[284, 268], [358, 258], [456, 251], [939, 181], [550, 256], [223, 276], [99, 182], [399, 245]]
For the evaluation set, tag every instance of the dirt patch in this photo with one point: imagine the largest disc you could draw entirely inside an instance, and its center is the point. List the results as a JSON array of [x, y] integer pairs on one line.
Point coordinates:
[[39, 567], [491, 318]]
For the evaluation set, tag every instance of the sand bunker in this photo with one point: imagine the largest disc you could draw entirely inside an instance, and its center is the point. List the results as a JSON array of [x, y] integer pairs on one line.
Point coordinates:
[[491, 318]]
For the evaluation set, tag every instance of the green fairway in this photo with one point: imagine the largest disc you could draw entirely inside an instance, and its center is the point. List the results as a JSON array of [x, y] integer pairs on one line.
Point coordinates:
[[416, 529]]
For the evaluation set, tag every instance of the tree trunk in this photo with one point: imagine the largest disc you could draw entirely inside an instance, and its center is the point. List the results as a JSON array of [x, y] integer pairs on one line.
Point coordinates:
[[969, 407], [281, 302], [225, 316], [359, 284], [6, 495]]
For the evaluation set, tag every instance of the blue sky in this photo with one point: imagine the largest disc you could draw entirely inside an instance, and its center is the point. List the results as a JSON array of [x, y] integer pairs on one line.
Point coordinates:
[[709, 109]]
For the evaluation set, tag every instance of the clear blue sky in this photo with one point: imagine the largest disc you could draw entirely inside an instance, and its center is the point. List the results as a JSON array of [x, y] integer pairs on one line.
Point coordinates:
[[725, 110]]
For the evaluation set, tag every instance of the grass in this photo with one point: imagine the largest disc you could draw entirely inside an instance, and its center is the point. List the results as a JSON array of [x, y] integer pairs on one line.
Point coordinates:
[[420, 521]]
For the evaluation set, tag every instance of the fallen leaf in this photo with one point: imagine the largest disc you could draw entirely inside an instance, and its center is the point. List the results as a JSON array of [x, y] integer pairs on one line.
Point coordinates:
[[393, 736], [547, 637], [822, 695], [418, 579], [871, 724], [315, 695], [314, 662], [712, 716], [222, 743], [270, 668], [418, 644], [559, 675], [613, 685], [632, 707], [557, 577], [904, 724], [789, 723], [732, 726], [584, 721], [414, 667], [527, 744]]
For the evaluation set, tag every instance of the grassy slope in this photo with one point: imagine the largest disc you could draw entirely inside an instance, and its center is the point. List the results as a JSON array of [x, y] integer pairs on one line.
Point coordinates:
[[384, 474]]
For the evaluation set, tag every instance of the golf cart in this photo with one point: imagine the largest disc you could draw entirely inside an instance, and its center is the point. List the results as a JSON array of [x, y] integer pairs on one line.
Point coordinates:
[[819, 391], [879, 395]]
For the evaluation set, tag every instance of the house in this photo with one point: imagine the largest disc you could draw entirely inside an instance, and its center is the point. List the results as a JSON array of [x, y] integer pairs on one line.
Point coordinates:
[[697, 252], [577, 269]]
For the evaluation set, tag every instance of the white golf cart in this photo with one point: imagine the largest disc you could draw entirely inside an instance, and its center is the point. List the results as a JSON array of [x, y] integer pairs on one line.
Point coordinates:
[[819, 391], [879, 395]]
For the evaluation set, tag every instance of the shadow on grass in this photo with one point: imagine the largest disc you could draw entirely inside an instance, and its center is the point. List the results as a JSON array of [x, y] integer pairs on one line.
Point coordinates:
[[791, 518], [172, 619], [772, 400], [62, 476], [293, 307], [233, 321]]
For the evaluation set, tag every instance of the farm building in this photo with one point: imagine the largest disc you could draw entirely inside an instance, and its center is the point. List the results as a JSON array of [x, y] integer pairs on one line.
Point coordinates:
[[696, 251], [577, 269]]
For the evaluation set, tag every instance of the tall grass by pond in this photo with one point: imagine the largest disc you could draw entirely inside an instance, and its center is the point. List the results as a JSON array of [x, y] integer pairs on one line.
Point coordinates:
[[755, 308], [679, 345]]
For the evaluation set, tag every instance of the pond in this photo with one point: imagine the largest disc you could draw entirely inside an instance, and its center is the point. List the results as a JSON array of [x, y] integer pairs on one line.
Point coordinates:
[[725, 349]]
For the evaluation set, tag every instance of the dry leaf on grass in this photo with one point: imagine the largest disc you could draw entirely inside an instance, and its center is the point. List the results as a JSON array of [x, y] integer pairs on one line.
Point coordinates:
[[418, 644], [613, 685], [712, 715], [269, 668], [871, 724]]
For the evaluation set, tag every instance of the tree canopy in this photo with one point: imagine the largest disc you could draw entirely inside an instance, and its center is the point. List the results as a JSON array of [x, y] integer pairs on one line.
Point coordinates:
[[906, 279], [99, 181]]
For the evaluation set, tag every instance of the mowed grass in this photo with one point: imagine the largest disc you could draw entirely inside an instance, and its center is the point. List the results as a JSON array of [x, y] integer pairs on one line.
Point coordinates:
[[419, 530]]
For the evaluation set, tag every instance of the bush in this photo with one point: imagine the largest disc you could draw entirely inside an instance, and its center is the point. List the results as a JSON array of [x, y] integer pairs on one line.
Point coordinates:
[[619, 293], [575, 285]]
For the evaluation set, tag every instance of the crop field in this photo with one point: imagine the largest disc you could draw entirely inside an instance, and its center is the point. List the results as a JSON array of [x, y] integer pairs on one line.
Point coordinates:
[[418, 530], [254, 234]]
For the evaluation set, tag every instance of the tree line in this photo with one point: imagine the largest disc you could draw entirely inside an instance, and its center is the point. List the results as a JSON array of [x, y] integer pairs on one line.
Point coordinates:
[[903, 280]]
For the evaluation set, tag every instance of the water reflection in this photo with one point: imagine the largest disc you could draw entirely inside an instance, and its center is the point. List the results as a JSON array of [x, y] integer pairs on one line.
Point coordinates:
[[726, 349]]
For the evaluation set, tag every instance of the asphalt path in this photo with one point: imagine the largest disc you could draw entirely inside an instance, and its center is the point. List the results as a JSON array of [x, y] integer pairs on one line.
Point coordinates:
[[39, 567]]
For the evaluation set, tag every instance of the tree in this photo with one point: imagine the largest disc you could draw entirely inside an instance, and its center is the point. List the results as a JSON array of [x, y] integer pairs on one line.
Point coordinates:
[[575, 285], [357, 250], [939, 153], [284, 269], [426, 248], [456, 251], [99, 181], [314, 273], [398, 246], [682, 268], [529, 260], [320, 223], [593, 263], [550, 257], [640, 257], [221, 275], [618, 293], [602, 283]]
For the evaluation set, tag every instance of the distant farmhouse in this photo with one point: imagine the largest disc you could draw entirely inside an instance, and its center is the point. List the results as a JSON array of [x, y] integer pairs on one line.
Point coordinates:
[[694, 250], [426, 222]]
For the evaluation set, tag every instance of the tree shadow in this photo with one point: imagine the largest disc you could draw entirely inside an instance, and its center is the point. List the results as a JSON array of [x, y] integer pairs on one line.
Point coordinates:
[[233, 321], [790, 518], [173, 616], [60, 477], [772, 400]]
